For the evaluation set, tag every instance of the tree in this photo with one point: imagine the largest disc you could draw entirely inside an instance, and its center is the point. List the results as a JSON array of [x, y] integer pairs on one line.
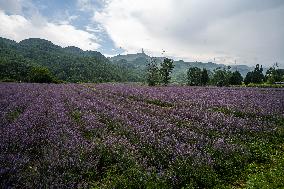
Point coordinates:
[[274, 74], [221, 77], [258, 76], [204, 77], [17, 69], [255, 76], [248, 78], [41, 75], [194, 75], [153, 73], [166, 68], [236, 78]]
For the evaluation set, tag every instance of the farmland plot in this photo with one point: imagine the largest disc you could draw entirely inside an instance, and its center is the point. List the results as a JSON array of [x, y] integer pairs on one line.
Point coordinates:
[[128, 136]]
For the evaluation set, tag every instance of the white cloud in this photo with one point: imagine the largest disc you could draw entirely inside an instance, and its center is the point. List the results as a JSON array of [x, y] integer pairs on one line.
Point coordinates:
[[64, 17], [249, 31], [17, 27]]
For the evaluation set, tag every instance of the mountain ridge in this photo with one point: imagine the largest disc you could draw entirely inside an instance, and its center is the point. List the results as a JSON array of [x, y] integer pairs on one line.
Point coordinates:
[[141, 60], [70, 64]]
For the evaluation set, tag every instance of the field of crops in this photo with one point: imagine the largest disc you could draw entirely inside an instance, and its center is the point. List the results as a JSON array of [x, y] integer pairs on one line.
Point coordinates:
[[129, 136]]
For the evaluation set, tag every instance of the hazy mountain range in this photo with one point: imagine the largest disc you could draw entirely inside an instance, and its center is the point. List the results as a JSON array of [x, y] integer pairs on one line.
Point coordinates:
[[141, 59]]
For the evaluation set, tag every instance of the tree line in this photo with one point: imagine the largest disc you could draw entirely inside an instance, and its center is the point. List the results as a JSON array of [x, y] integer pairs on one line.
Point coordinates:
[[160, 75]]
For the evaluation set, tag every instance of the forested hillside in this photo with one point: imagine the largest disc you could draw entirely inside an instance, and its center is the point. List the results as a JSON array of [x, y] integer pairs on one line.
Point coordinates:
[[22, 61]]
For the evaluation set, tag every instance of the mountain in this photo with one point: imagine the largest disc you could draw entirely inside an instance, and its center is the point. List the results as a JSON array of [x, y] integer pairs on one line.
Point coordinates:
[[69, 64], [139, 61], [130, 57]]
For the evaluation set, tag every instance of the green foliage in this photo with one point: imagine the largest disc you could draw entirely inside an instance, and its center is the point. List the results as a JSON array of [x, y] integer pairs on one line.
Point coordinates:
[[197, 176], [236, 78], [204, 77], [268, 168], [197, 77], [41, 75], [224, 77], [71, 64], [255, 76], [156, 75], [132, 177], [248, 78], [153, 75], [160, 103], [274, 74], [14, 68], [117, 169], [194, 75], [139, 61], [262, 167], [265, 85], [76, 116], [166, 68], [221, 77], [13, 115], [267, 177]]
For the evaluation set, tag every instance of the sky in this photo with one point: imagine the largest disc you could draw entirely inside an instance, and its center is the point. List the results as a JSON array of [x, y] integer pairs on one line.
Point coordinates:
[[245, 32]]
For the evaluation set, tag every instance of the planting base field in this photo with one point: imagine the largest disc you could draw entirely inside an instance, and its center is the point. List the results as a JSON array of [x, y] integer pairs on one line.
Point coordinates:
[[128, 136]]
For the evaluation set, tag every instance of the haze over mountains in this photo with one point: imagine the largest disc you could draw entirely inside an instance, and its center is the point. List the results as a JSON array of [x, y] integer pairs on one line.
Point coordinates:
[[140, 60], [72, 64]]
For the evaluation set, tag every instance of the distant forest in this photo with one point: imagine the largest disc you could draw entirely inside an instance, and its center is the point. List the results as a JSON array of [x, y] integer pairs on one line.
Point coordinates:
[[38, 60]]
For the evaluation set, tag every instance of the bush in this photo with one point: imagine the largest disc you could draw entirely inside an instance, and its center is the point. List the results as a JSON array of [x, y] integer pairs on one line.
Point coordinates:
[[41, 75]]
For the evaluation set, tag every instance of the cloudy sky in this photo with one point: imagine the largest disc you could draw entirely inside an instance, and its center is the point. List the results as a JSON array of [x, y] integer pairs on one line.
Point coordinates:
[[245, 31]]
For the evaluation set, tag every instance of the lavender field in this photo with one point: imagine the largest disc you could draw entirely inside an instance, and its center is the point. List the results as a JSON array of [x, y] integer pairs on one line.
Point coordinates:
[[129, 136]]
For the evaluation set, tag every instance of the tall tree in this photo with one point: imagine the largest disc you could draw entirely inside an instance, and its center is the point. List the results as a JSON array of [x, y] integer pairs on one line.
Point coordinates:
[[166, 68], [204, 77], [248, 78], [153, 73], [221, 77], [274, 74], [236, 78], [41, 75], [255, 76], [194, 75]]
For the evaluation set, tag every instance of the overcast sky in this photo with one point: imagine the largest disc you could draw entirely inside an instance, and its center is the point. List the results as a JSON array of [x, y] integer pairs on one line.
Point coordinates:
[[248, 31]]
